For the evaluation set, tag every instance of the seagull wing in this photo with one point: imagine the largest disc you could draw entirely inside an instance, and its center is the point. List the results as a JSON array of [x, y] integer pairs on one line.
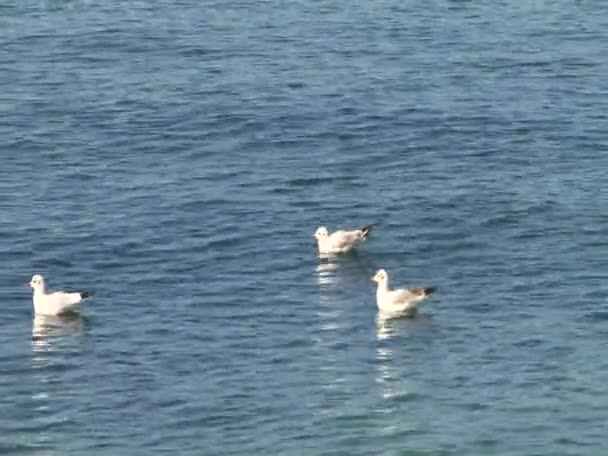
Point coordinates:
[[344, 239], [63, 301]]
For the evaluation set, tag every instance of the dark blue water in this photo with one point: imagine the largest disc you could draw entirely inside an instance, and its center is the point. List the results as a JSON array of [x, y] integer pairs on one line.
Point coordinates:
[[177, 157]]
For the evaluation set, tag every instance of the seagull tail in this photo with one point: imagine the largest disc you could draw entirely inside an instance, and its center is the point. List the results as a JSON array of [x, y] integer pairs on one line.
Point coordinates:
[[86, 294], [366, 230], [429, 291]]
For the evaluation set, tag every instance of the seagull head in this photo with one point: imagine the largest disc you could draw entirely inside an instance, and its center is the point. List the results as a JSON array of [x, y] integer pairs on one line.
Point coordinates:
[[321, 233], [380, 277], [37, 282]]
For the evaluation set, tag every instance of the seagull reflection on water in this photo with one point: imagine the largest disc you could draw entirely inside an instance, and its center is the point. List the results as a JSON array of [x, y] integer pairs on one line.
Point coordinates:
[[351, 266], [384, 328], [387, 376], [392, 369], [52, 341], [326, 273], [50, 331]]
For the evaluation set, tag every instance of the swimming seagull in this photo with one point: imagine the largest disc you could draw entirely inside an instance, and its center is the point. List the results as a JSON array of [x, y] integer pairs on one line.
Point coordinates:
[[401, 301], [340, 241], [54, 303]]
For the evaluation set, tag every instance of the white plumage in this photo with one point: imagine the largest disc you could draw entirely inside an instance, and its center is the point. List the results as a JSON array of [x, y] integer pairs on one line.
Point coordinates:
[[401, 301], [340, 241], [53, 303]]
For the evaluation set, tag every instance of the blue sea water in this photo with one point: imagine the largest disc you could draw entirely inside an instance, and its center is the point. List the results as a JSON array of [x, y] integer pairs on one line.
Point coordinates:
[[176, 157]]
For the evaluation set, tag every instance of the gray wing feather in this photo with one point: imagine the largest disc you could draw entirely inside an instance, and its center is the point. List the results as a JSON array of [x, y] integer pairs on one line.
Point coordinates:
[[342, 238]]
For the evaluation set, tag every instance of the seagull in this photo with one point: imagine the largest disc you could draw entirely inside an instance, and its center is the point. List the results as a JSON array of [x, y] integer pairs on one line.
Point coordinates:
[[54, 303], [401, 301], [340, 241]]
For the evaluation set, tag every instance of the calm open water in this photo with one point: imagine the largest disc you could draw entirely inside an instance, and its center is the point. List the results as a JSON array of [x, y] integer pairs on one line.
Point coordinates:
[[177, 156]]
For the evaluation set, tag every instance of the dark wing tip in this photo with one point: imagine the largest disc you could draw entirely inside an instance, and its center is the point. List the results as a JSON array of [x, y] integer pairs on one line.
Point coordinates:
[[430, 290], [366, 229], [86, 294]]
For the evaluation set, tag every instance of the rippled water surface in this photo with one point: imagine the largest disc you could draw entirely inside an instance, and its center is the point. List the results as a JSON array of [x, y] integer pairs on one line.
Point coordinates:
[[176, 157]]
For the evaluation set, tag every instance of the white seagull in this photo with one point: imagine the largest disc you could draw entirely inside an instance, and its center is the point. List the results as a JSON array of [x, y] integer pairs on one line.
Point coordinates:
[[401, 301], [340, 241], [54, 303]]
